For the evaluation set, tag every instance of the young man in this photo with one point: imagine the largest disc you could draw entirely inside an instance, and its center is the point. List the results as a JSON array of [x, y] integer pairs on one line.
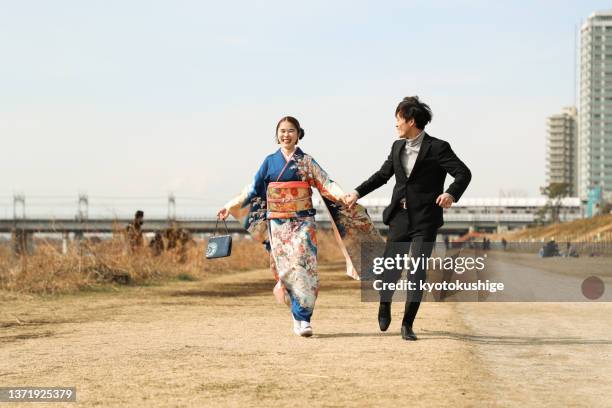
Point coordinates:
[[420, 163]]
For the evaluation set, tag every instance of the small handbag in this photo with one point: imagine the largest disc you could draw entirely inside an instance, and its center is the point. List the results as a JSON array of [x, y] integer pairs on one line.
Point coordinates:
[[219, 246]]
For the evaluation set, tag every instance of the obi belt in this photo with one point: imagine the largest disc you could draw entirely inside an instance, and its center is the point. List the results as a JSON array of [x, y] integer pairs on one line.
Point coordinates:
[[288, 199]]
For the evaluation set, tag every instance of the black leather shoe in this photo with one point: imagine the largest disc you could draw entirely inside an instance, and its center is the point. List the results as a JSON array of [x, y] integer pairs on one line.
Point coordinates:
[[408, 334], [384, 315]]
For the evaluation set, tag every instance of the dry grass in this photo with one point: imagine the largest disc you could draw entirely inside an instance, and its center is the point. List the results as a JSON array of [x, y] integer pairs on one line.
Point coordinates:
[[91, 264], [596, 229]]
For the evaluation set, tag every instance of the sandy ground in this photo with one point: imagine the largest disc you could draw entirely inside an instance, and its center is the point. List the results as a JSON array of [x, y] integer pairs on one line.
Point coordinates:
[[222, 341]]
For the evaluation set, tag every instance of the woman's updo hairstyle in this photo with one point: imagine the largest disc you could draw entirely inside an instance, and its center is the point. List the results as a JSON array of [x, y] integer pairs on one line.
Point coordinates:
[[294, 122]]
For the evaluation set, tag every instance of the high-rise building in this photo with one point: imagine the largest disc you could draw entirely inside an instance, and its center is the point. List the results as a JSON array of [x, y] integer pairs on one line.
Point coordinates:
[[595, 105], [561, 147]]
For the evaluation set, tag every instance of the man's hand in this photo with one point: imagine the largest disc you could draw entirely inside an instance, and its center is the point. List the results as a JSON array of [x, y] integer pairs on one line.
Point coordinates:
[[445, 200], [350, 199]]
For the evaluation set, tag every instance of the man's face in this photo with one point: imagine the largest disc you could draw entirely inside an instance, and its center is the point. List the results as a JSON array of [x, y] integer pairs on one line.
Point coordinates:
[[403, 127]]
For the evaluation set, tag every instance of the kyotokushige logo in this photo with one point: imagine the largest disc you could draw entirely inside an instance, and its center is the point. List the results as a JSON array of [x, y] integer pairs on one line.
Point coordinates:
[[211, 249]]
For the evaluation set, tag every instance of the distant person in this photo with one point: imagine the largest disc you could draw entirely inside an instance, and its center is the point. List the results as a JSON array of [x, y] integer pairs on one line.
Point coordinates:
[[570, 251], [420, 164], [134, 234], [446, 242], [504, 243], [550, 249]]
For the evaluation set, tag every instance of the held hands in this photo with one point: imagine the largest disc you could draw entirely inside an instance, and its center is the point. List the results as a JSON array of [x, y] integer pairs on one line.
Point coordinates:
[[223, 214], [445, 200], [350, 199]]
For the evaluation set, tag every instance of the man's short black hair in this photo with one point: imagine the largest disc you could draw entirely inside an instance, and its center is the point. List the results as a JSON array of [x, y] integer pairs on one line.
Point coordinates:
[[411, 108], [139, 214]]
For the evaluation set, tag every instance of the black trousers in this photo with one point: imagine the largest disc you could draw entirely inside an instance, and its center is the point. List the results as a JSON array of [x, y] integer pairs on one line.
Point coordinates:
[[403, 239]]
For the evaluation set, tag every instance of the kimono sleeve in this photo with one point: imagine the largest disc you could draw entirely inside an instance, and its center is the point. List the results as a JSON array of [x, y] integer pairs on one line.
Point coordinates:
[[249, 207], [240, 204], [328, 188], [352, 227]]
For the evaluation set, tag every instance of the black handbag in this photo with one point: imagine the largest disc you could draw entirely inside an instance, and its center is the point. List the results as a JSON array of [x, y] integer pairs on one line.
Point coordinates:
[[219, 246]]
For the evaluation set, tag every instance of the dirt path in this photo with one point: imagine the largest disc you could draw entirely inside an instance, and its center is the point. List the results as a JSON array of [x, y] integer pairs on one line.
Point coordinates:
[[544, 354], [223, 342]]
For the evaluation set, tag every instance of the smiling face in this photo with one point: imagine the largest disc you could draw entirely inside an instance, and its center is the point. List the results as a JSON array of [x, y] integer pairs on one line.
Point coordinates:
[[404, 128], [287, 135]]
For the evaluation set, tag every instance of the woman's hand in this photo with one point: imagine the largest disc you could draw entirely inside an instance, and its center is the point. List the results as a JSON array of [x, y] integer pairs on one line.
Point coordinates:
[[350, 199], [223, 214]]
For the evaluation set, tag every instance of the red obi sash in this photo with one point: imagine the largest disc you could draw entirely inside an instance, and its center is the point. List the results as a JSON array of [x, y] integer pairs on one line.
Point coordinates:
[[285, 198]]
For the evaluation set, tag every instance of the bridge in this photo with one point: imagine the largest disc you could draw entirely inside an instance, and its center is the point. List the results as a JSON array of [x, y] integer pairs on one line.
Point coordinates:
[[470, 214], [453, 224]]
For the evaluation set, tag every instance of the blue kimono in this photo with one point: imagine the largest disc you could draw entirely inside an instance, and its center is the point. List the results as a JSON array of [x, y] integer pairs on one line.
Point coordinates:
[[292, 240]]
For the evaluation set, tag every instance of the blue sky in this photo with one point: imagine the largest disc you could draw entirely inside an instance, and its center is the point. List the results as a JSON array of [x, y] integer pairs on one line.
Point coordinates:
[[144, 98]]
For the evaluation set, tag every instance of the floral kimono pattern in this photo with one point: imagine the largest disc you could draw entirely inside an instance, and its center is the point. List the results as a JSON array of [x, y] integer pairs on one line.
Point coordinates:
[[291, 236]]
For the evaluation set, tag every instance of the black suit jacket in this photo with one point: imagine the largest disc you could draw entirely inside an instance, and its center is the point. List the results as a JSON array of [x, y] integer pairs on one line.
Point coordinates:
[[423, 186]]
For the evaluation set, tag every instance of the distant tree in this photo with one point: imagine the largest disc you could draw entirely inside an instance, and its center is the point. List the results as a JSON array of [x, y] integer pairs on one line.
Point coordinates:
[[555, 193], [540, 216], [606, 207]]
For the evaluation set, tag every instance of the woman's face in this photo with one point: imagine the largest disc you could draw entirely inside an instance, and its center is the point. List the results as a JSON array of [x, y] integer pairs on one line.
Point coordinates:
[[287, 135]]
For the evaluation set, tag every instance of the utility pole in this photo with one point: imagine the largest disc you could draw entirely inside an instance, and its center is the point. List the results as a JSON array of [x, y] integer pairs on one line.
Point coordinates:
[[171, 207], [83, 207], [19, 201], [21, 239]]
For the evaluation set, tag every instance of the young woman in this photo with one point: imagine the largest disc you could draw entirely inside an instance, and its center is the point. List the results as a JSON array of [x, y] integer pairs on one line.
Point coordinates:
[[277, 209]]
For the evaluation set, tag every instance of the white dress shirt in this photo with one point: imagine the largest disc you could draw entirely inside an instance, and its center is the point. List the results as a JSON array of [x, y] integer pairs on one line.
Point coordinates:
[[409, 153]]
